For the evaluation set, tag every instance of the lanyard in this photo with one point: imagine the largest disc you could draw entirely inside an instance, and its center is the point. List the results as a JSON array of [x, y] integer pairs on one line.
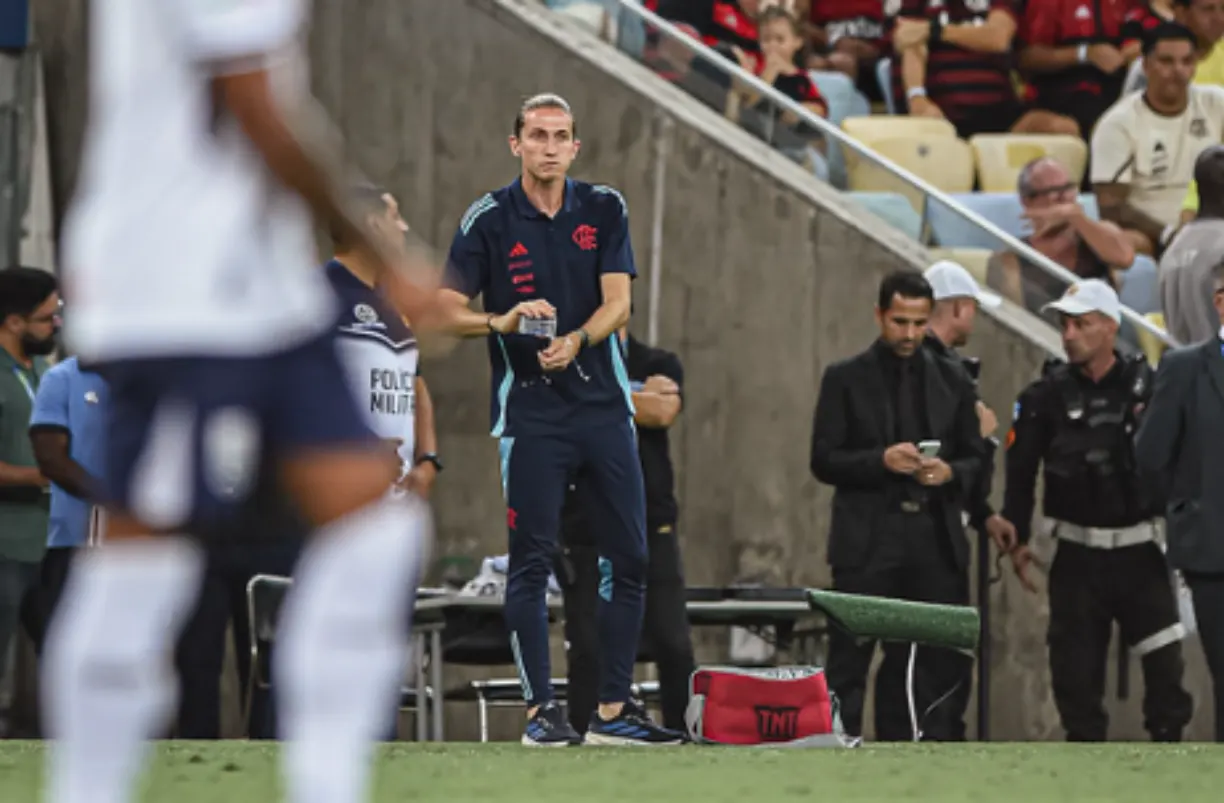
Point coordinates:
[[25, 383]]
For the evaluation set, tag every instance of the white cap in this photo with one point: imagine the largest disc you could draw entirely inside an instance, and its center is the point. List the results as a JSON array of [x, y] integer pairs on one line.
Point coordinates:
[[1088, 295], [950, 280]]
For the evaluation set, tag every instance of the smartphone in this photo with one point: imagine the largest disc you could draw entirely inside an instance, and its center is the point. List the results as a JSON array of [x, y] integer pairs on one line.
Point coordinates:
[[929, 449], [538, 327]]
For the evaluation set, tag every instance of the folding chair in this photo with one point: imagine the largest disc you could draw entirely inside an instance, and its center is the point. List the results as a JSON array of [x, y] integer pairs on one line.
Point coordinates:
[[265, 596], [475, 639], [953, 627]]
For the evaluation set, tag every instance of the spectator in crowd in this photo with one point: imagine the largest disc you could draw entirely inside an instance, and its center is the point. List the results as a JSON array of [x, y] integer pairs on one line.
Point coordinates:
[[657, 380], [1075, 57], [952, 60], [848, 37], [67, 429], [1063, 232], [1205, 19], [1144, 147], [781, 41], [1142, 17], [728, 26], [1187, 269], [957, 298], [1179, 439], [29, 323], [1202, 17], [897, 529]]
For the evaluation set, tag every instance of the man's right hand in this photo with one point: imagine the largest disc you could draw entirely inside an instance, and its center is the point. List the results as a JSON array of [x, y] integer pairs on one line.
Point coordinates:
[[1107, 58], [508, 322], [988, 422], [1022, 559], [902, 458], [925, 107], [1002, 532]]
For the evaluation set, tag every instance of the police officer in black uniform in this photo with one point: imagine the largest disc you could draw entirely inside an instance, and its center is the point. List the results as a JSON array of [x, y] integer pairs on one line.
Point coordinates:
[[1079, 420]]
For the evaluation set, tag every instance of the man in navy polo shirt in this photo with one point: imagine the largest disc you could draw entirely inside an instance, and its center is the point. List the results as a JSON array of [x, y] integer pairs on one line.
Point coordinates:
[[552, 258]]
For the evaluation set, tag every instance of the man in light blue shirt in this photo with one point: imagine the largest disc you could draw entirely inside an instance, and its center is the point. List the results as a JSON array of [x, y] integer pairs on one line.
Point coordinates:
[[67, 427]]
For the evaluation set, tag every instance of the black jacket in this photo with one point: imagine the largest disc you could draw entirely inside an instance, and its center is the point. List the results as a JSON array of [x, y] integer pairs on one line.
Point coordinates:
[[1180, 437], [854, 424], [978, 504]]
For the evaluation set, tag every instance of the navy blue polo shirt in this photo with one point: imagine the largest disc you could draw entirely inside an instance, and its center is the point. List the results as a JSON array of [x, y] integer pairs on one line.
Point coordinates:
[[508, 251]]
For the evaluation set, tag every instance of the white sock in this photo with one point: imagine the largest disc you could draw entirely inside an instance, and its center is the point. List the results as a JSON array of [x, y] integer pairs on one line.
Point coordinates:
[[107, 675], [342, 652]]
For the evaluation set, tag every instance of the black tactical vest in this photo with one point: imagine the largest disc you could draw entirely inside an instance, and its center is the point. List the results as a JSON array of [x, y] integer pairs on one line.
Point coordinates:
[[1092, 454]]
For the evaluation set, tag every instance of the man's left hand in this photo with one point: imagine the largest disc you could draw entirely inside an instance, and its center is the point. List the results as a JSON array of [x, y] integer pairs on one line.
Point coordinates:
[[560, 353], [421, 479], [933, 472]]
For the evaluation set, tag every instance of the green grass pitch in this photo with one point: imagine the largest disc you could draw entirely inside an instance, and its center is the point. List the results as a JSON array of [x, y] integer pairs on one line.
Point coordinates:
[[242, 772]]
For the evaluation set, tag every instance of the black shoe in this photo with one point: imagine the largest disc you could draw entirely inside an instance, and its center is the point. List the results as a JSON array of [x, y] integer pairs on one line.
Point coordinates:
[[550, 728], [632, 726]]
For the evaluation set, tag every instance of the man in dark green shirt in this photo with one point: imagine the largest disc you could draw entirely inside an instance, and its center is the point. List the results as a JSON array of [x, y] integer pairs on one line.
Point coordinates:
[[29, 322]]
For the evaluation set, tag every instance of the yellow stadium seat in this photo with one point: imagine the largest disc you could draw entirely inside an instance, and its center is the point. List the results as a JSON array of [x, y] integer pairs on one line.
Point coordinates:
[[1152, 346], [944, 162], [888, 126], [974, 260], [1001, 157]]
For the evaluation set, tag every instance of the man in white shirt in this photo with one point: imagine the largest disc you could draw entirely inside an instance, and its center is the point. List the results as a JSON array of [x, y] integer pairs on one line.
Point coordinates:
[[1144, 147], [190, 246]]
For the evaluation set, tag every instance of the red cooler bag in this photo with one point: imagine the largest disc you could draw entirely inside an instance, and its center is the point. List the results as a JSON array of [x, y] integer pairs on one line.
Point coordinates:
[[786, 706]]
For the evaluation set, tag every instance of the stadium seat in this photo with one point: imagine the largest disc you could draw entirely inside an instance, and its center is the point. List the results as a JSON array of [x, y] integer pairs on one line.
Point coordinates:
[[974, 260], [1001, 157], [944, 162], [884, 79], [1140, 288], [844, 101], [867, 129], [1003, 209], [1152, 346], [892, 208]]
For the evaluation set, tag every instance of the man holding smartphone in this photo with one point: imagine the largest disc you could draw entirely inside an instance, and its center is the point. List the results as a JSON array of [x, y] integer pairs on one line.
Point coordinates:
[[544, 248], [896, 433]]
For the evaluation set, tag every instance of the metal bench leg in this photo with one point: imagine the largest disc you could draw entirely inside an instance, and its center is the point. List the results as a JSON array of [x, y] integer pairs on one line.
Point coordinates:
[[483, 706], [909, 691]]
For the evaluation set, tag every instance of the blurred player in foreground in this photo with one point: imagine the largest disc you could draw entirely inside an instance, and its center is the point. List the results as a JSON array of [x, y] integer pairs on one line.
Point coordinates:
[[190, 258], [552, 258]]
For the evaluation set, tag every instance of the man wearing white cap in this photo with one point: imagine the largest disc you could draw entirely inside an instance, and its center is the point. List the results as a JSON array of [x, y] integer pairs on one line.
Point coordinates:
[[957, 298], [1079, 420]]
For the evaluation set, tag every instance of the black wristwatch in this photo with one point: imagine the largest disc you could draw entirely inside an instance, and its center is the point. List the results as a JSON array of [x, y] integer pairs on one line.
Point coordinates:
[[430, 458], [584, 338]]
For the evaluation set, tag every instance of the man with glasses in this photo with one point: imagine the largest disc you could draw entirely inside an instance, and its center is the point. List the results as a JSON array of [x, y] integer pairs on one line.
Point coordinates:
[[1062, 231], [1188, 266], [29, 322]]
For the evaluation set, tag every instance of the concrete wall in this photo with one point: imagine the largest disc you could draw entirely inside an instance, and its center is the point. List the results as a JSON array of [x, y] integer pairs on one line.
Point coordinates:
[[767, 277]]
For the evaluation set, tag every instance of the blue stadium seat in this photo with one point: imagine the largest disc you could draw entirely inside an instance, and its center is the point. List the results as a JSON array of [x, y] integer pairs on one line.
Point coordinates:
[[892, 208], [1140, 290], [844, 101], [884, 79], [1000, 208]]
